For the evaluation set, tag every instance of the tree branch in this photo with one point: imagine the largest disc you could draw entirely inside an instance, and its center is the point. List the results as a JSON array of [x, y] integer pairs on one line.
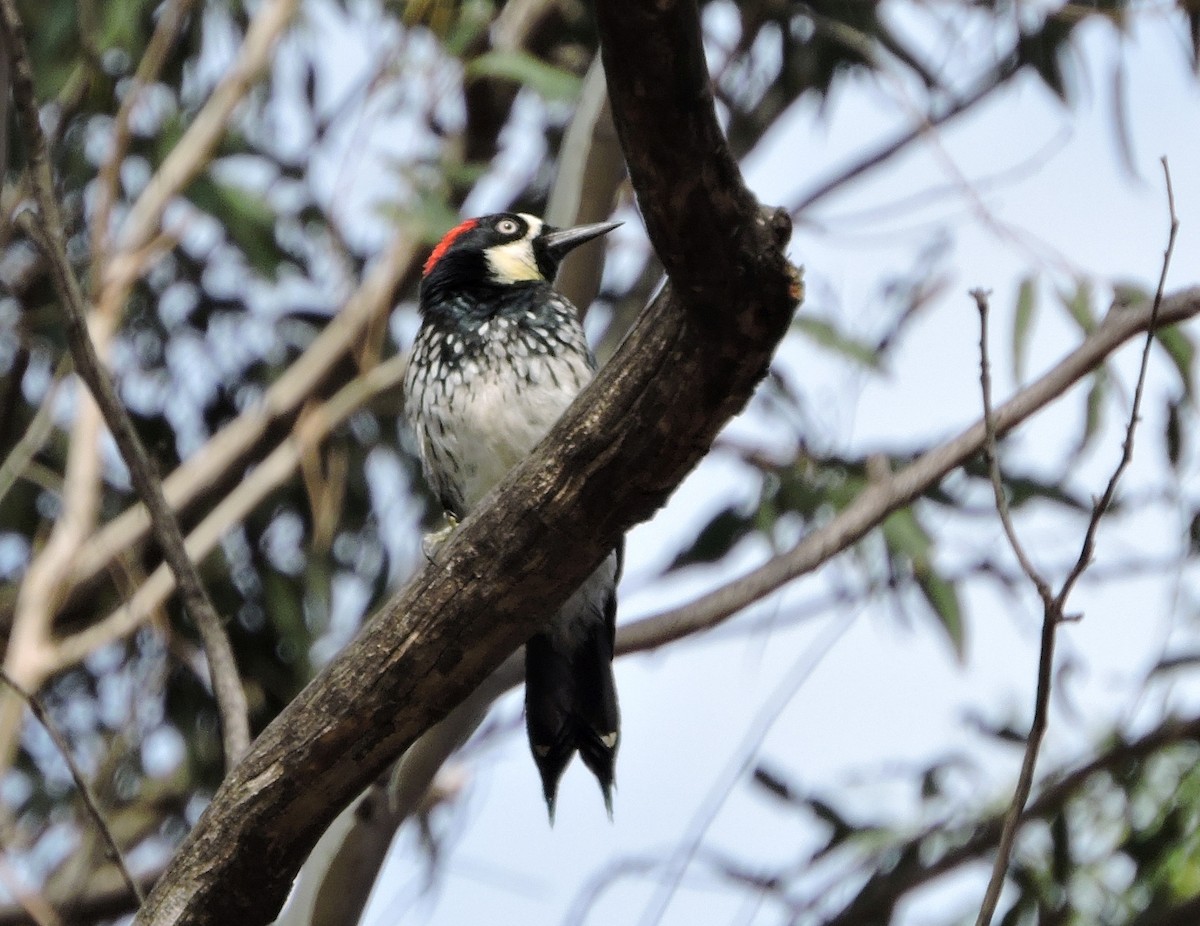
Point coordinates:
[[165, 32], [880, 499], [194, 150], [715, 608], [49, 234], [879, 896], [991, 452], [1053, 607], [85, 791], [231, 444], [988, 84], [618, 452], [273, 471]]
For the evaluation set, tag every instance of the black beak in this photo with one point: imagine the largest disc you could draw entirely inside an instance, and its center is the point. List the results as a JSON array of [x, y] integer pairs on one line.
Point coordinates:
[[561, 241]]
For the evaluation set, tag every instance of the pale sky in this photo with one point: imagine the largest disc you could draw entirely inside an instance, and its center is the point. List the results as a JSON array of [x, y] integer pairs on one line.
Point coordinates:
[[869, 695], [886, 698]]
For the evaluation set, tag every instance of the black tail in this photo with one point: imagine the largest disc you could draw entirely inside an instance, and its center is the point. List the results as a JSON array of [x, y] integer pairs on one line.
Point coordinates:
[[570, 696]]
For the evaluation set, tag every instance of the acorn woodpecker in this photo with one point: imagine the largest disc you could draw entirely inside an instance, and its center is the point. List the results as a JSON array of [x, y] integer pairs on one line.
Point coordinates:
[[498, 358]]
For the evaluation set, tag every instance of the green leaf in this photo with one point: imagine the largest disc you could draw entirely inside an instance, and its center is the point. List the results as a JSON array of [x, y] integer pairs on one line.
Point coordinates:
[[247, 218], [523, 68], [1173, 433], [1024, 489], [1060, 833], [827, 335], [1182, 351], [1079, 306], [1094, 416], [943, 599], [716, 539], [1042, 50], [474, 17], [905, 536], [1023, 325], [907, 540]]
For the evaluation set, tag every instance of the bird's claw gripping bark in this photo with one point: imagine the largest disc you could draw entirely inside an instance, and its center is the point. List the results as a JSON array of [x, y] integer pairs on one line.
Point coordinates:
[[433, 541]]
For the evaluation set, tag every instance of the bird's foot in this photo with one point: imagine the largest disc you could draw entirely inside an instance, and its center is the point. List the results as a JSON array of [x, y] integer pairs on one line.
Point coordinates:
[[433, 541]]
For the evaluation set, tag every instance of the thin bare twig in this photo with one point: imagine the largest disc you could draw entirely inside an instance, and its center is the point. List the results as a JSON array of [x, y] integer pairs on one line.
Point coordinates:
[[899, 489], [48, 232], [1105, 500], [274, 470], [986, 86], [4, 86], [194, 150], [765, 718], [1050, 618], [992, 453], [165, 32], [1054, 607], [85, 791], [232, 442], [35, 436]]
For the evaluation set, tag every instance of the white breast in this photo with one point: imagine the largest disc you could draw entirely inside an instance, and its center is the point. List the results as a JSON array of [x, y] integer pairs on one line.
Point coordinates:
[[500, 422], [479, 422]]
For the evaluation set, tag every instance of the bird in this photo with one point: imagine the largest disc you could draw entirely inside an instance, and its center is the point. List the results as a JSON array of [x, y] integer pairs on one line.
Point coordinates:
[[499, 356]]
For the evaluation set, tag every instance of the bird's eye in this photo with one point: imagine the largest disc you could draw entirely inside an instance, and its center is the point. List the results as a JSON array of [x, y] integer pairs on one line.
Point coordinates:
[[507, 227]]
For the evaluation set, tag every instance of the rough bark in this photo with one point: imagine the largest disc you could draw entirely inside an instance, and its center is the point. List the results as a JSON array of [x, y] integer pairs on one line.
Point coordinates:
[[688, 365]]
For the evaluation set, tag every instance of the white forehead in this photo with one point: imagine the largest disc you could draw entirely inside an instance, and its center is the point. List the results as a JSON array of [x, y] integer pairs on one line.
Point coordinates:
[[535, 224]]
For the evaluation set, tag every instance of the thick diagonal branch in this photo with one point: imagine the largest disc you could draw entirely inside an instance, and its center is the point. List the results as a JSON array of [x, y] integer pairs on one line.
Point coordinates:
[[48, 231], [612, 461]]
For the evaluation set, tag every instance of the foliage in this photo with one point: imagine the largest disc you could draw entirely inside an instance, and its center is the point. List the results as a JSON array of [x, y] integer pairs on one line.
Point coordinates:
[[260, 251]]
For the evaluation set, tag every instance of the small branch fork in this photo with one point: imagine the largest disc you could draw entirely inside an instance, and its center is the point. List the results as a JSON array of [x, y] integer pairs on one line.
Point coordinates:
[[48, 232], [85, 791], [1053, 605]]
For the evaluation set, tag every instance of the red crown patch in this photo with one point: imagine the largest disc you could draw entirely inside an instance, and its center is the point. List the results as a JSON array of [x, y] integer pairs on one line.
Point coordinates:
[[445, 243]]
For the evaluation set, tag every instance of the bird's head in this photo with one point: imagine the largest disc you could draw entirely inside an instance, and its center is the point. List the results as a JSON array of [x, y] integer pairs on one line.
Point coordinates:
[[494, 252]]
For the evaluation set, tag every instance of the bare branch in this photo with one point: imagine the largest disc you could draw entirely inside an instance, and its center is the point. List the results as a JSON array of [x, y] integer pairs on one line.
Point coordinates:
[[49, 234], [1051, 618], [1051, 615], [34, 438], [1102, 504], [5, 80], [987, 85], [1054, 607], [992, 453], [234, 441], [274, 470], [196, 147], [881, 498], [85, 791], [165, 32]]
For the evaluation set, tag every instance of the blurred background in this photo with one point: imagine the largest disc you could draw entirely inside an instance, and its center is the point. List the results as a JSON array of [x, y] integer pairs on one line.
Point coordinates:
[[839, 751]]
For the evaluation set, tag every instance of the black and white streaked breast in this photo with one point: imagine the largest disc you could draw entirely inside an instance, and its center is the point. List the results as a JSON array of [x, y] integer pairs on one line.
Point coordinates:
[[485, 385]]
